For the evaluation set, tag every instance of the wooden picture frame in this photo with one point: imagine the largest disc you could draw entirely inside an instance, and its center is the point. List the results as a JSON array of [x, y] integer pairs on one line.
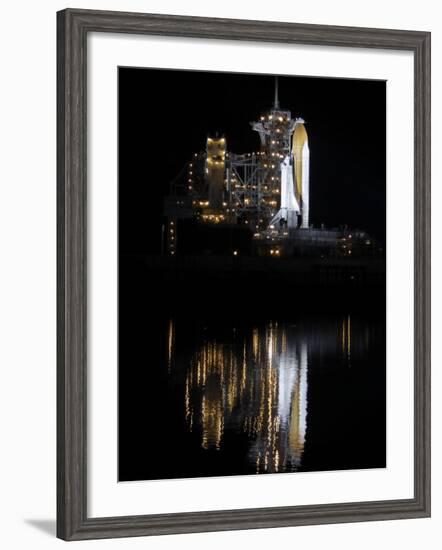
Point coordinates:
[[73, 26]]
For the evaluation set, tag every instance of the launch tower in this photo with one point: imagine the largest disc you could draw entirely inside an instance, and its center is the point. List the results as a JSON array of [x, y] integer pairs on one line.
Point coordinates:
[[266, 190]]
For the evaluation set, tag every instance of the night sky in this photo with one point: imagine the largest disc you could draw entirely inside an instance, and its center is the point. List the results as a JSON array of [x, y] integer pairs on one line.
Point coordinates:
[[166, 115]]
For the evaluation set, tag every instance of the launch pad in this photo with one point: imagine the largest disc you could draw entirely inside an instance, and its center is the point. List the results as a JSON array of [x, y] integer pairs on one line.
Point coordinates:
[[265, 192]]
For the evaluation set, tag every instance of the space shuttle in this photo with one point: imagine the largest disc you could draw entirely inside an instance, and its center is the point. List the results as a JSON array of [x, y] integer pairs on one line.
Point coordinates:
[[294, 205]]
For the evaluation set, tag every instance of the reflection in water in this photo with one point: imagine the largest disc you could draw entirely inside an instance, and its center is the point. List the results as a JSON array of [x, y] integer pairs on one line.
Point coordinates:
[[230, 396], [257, 385], [252, 383], [170, 343], [346, 337]]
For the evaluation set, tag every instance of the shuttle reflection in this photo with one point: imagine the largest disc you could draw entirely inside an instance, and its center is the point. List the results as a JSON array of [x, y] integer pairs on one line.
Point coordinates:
[[255, 385]]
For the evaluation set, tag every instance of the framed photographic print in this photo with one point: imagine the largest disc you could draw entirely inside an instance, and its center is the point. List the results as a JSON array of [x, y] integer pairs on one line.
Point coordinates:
[[243, 274]]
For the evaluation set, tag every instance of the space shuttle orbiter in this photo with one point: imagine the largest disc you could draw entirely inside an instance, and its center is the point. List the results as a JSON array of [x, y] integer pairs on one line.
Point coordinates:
[[294, 206]]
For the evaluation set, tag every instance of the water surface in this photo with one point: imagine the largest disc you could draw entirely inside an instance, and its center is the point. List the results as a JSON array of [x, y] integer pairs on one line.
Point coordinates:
[[217, 397]]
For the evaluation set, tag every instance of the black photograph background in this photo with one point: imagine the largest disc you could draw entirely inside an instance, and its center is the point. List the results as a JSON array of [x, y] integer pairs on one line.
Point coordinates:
[[249, 365]]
